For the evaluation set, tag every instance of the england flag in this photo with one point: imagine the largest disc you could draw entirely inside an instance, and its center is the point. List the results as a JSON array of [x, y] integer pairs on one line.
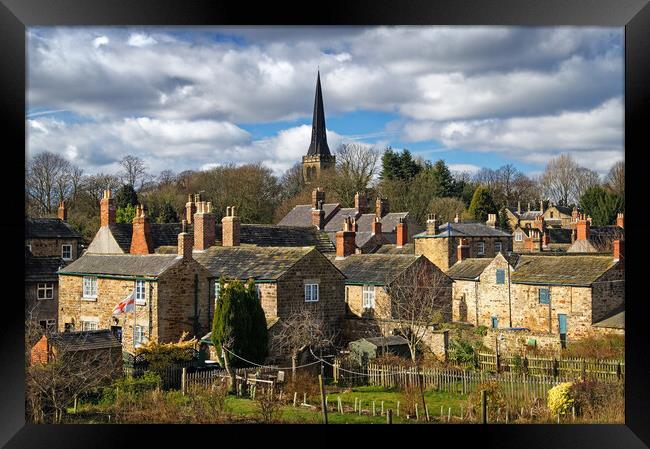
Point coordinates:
[[127, 305]]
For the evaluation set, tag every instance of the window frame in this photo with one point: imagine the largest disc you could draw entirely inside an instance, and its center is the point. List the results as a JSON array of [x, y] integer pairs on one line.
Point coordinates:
[[519, 237], [140, 300], [502, 272], [50, 324], [548, 295], [63, 247], [368, 296], [94, 325], [496, 251], [309, 291], [84, 295], [47, 286], [140, 330], [480, 248]]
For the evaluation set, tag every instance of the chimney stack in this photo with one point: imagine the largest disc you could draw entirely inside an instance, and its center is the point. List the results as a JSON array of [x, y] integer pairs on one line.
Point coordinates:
[[318, 194], [492, 220], [574, 215], [381, 207], [346, 240], [106, 209], [318, 216], [541, 206], [63, 212], [432, 224], [230, 228], [529, 206], [463, 250], [376, 226], [190, 209], [185, 242], [141, 237], [204, 225], [361, 202], [402, 233], [619, 220], [619, 252], [518, 207], [582, 228], [457, 218]]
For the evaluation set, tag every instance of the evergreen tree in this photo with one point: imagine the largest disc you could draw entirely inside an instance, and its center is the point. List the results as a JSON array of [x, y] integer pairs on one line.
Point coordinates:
[[259, 337], [444, 182], [482, 204], [125, 196], [399, 166], [167, 214], [125, 214], [502, 220], [602, 204]]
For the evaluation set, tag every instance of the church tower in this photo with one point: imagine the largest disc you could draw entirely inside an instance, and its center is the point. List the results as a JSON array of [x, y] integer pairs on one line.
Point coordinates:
[[318, 156]]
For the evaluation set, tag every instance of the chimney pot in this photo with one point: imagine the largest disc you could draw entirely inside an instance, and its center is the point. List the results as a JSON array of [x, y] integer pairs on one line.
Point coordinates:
[[204, 227], [141, 242], [620, 220], [619, 252], [432, 224], [361, 202], [62, 212], [106, 210], [345, 240], [462, 250], [402, 233], [185, 243], [230, 228], [376, 226]]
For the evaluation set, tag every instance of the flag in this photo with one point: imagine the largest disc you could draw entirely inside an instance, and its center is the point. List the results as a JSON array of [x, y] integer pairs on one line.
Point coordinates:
[[127, 305]]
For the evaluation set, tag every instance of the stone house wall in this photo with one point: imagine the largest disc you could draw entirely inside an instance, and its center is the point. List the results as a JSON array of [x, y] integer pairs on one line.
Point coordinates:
[[608, 293], [464, 301], [493, 297], [514, 342], [52, 247], [354, 301], [443, 252]]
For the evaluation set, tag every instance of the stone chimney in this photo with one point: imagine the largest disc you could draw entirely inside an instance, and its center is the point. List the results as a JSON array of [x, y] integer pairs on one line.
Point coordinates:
[[141, 237], [582, 228], [62, 212], [541, 206], [432, 224], [204, 225], [529, 206], [574, 215], [518, 207], [376, 226], [402, 233], [619, 252], [619, 220], [190, 209], [230, 228], [381, 207], [361, 202], [318, 216], [463, 250], [185, 242], [492, 220], [457, 218], [346, 240], [107, 209], [318, 194], [539, 223]]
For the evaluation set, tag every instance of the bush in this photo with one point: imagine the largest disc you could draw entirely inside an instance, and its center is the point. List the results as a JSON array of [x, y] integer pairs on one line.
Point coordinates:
[[599, 347], [599, 401], [161, 355], [410, 396], [461, 351], [559, 399], [494, 396], [481, 330], [268, 406], [131, 386]]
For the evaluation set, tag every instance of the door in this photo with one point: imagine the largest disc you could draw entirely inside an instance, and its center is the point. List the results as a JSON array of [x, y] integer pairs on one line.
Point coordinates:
[[495, 322], [561, 321]]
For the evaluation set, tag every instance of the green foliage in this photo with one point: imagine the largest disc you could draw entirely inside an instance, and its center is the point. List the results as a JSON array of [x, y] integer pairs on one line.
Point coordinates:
[[559, 399], [159, 356], [125, 214], [399, 166], [443, 181], [259, 336], [131, 385], [461, 351], [602, 204], [167, 214], [482, 204], [126, 196], [494, 396], [502, 220], [481, 330]]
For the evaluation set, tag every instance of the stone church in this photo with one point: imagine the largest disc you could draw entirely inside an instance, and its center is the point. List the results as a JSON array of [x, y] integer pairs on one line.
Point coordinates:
[[318, 156]]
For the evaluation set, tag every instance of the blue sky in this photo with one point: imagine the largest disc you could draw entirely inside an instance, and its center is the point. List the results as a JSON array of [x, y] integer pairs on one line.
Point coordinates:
[[195, 97]]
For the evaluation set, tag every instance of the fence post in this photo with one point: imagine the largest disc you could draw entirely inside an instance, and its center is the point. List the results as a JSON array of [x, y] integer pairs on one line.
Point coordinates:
[[484, 406], [322, 398], [556, 368], [618, 371], [183, 374], [389, 416]]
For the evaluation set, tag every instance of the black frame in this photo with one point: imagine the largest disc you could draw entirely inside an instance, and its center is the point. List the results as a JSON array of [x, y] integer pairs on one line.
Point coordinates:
[[15, 15]]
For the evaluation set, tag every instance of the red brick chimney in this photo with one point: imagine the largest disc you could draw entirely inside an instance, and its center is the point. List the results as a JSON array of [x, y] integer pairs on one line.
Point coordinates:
[[230, 228], [185, 242], [204, 226], [402, 233], [106, 209], [361, 202], [62, 212], [190, 209], [345, 240], [381, 207], [582, 228], [432, 224], [318, 215], [376, 226], [318, 194], [619, 220], [539, 223], [619, 252], [574, 215], [141, 237], [463, 250]]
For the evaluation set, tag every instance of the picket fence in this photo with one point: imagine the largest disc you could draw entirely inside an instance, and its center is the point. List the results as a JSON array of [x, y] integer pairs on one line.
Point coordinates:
[[208, 378]]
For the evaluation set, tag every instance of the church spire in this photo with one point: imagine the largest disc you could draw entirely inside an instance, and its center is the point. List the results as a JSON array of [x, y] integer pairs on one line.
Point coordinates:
[[318, 144]]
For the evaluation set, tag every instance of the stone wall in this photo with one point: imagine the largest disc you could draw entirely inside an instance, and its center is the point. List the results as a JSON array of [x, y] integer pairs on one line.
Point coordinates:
[[443, 252], [514, 341], [354, 301], [492, 297], [608, 293], [52, 247], [269, 297], [464, 302]]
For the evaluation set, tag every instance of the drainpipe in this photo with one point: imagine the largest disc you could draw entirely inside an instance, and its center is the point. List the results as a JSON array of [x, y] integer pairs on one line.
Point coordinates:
[[195, 325], [509, 299], [476, 301]]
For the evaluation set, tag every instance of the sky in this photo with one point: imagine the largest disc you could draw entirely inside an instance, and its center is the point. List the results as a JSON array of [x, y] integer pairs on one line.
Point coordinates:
[[198, 97]]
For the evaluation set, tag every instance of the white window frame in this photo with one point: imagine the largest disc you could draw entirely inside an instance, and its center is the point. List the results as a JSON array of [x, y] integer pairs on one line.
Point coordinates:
[[63, 248], [217, 292], [519, 237], [368, 296], [480, 248], [89, 325], [496, 251], [140, 334], [50, 324], [44, 287], [311, 292], [140, 292], [89, 292]]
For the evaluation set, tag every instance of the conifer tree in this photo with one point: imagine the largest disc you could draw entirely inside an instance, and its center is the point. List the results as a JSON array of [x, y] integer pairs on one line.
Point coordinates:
[[482, 204]]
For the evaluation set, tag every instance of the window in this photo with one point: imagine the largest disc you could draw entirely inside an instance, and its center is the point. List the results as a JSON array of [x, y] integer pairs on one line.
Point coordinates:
[[66, 252], [544, 296], [140, 334], [311, 292], [48, 325], [501, 276], [519, 237], [368, 296], [90, 287], [140, 292], [89, 325], [258, 290], [497, 247], [29, 247], [217, 291], [480, 248], [68, 327], [45, 290]]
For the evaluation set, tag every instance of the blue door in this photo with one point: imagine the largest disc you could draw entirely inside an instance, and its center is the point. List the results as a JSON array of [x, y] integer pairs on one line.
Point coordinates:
[[561, 320], [495, 322]]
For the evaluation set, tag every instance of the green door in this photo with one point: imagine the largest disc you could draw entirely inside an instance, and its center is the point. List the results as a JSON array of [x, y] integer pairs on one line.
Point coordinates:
[[561, 320]]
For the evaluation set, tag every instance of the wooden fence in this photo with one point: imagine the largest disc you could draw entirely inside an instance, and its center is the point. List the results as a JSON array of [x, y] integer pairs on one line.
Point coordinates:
[[207, 378]]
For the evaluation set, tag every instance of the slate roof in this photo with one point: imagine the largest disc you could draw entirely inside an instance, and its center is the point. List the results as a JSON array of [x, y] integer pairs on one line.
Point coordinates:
[[388, 221], [85, 340], [162, 234], [563, 209], [42, 269], [615, 320], [122, 264], [601, 240], [389, 340], [301, 215], [564, 269], [49, 228], [392, 248], [361, 239], [465, 229], [530, 215], [468, 269], [378, 269], [243, 262], [336, 222]]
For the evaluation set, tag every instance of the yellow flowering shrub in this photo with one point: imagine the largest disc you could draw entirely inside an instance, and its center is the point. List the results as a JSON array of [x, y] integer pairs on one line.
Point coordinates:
[[559, 399]]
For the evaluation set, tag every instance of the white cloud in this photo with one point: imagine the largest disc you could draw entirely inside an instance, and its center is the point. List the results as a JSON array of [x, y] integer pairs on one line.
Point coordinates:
[[141, 40], [99, 41], [464, 168]]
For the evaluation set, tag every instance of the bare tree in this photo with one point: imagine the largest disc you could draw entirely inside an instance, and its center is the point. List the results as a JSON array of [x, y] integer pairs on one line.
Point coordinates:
[[46, 181], [616, 178], [134, 170], [446, 208], [418, 298], [357, 165], [301, 329], [564, 181]]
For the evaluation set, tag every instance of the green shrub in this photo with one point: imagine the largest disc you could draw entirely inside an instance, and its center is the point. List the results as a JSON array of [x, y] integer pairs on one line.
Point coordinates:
[[131, 386], [481, 330], [461, 351]]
